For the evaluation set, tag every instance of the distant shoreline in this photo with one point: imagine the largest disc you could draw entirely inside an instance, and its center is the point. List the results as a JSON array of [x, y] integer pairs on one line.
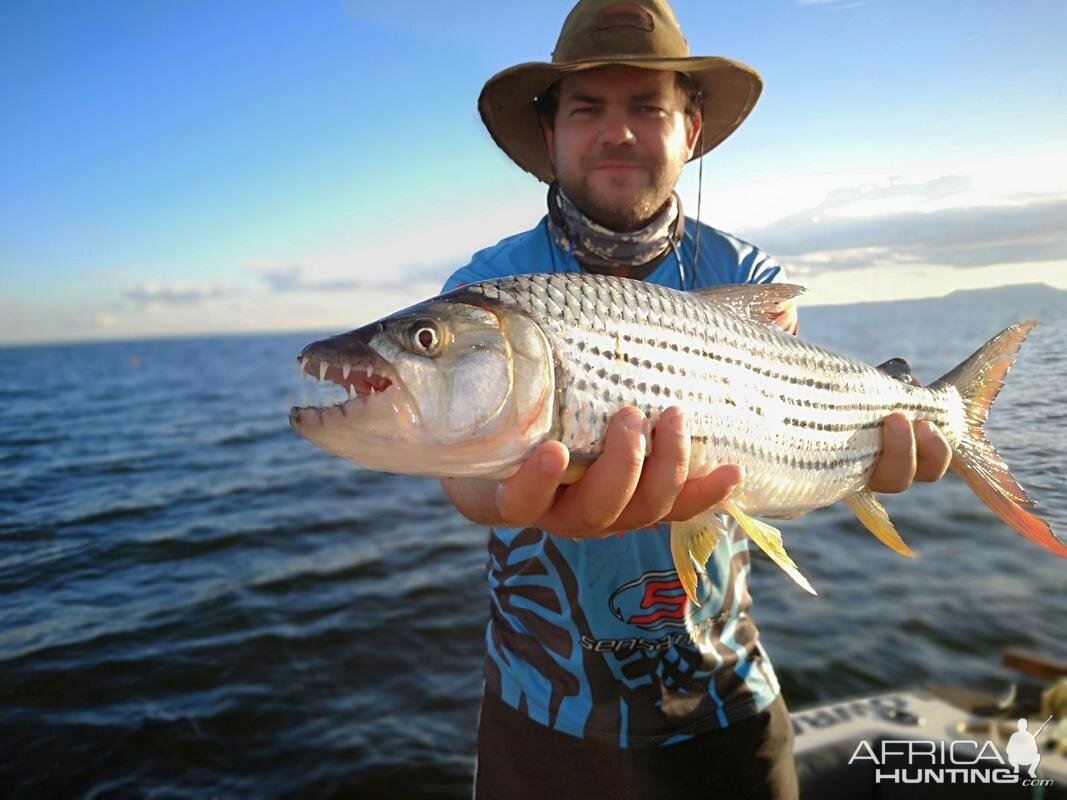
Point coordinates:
[[1017, 292]]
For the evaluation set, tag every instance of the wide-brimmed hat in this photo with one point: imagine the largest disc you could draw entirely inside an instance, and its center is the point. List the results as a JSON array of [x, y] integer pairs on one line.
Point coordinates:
[[598, 33]]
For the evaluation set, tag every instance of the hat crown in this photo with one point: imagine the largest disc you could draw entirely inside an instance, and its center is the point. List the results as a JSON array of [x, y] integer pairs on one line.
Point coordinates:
[[606, 29]]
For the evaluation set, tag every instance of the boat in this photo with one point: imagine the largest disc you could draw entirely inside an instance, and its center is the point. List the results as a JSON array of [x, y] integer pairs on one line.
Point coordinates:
[[940, 743]]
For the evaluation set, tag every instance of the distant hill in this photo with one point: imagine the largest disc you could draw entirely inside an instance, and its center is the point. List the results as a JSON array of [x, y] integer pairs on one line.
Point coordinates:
[[1035, 300], [1020, 292], [933, 333]]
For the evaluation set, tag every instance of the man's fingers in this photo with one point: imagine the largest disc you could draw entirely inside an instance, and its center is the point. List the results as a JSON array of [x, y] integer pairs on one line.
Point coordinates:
[[933, 454], [895, 469], [594, 503], [527, 494], [701, 494], [663, 475]]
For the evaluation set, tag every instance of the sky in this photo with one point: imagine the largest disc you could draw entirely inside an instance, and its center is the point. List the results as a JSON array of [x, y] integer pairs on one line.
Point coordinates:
[[180, 168]]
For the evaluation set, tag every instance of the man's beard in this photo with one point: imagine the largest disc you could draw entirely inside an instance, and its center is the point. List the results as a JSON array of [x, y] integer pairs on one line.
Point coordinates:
[[622, 215]]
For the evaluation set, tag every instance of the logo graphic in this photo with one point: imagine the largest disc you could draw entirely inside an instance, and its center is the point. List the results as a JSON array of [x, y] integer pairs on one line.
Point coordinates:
[[961, 761], [653, 601], [1022, 748]]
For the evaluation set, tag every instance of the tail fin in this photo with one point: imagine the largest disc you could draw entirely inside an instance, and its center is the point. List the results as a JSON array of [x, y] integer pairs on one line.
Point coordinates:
[[979, 380]]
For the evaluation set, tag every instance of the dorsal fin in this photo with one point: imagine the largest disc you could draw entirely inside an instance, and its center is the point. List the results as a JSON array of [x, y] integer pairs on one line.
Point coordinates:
[[897, 368], [759, 302]]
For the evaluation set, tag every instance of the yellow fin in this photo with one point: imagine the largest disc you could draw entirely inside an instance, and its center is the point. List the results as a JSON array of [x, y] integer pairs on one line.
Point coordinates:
[[694, 540], [769, 540], [876, 519], [576, 468]]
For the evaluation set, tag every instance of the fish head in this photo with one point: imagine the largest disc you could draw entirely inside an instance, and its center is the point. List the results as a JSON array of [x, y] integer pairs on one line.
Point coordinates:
[[455, 386]]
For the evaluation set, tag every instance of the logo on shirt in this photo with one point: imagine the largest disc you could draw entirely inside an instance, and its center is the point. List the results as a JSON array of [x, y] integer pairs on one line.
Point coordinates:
[[653, 601]]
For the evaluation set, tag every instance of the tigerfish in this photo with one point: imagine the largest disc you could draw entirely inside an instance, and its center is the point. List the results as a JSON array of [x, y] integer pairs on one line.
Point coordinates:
[[470, 382]]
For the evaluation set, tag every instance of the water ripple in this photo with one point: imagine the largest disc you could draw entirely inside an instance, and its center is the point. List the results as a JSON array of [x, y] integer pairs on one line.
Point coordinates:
[[195, 602]]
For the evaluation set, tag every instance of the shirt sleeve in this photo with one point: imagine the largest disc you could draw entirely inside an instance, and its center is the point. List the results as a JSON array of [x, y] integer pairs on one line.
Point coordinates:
[[755, 266], [528, 251]]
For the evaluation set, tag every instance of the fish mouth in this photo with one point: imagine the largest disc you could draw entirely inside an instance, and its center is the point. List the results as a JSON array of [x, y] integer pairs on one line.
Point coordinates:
[[350, 364]]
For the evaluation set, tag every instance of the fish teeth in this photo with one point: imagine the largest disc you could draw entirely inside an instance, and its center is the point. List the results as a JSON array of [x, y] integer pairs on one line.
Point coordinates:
[[304, 361], [323, 366], [352, 393], [345, 369], [369, 370]]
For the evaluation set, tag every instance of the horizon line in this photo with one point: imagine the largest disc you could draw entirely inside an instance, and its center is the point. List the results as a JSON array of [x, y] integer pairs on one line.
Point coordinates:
[[224, 334]]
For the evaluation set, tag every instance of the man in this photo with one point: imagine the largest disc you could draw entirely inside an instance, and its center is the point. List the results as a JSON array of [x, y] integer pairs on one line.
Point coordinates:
[[601, 680]]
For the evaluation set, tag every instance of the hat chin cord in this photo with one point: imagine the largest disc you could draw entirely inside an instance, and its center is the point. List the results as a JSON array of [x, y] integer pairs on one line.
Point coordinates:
[[700, 196]]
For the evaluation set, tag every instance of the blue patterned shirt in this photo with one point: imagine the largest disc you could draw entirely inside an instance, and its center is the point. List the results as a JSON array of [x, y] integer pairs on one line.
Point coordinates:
[[590, 637]]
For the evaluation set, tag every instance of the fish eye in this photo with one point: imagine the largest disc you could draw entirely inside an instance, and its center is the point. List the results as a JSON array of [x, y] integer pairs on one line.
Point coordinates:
[[425, 338]]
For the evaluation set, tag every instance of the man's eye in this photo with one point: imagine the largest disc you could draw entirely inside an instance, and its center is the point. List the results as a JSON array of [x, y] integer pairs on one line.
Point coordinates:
[[651, 109], [584, 110]]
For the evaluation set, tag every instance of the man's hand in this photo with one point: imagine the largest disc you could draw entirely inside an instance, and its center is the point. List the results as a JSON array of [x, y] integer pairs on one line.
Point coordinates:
[[909, 453], [621, 490]]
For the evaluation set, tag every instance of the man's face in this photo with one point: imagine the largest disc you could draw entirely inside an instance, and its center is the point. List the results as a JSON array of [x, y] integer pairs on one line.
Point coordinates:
[[620, 141]]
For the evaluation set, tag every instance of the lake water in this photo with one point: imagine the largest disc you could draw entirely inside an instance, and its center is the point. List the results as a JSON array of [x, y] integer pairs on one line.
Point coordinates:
[[196, 602]]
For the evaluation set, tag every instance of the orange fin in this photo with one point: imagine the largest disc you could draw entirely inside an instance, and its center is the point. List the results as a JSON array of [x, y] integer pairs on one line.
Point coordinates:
[[987, 475], [979, 380]]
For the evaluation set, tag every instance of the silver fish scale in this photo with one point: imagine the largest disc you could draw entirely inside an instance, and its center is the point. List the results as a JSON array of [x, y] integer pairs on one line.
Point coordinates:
[[804, 423]]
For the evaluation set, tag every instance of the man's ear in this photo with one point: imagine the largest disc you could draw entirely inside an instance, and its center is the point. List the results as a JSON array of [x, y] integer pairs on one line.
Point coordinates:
[[693, 132], [549, 135]]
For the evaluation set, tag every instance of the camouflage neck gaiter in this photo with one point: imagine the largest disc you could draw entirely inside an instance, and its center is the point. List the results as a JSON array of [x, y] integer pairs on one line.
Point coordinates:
[[595, 246]]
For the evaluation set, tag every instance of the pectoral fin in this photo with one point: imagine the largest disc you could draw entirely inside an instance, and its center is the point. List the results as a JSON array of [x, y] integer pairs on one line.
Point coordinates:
[[770, 542], [876, 519], [694, 540], [759, 302]]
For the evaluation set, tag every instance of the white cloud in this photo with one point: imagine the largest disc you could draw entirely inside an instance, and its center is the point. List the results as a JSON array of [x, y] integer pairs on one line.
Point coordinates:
[[1001, 210], [292, 279], [881, 232], [295, 278], [910, 282], [967, 236], [106, 320], [905, 230], [743, 204], [157, 295], [347, 277]]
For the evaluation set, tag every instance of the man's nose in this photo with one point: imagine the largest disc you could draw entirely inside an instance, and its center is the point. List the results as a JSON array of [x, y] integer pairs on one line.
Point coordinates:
[[616, 128]]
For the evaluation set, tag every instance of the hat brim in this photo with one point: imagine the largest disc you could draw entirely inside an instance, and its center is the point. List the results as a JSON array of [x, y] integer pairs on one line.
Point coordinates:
[[730, 88]]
